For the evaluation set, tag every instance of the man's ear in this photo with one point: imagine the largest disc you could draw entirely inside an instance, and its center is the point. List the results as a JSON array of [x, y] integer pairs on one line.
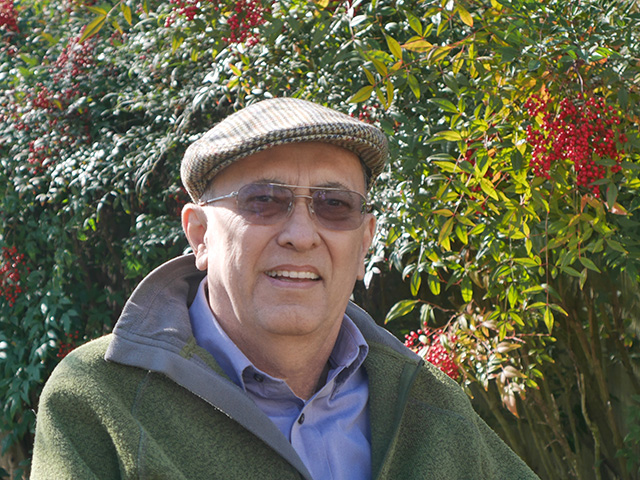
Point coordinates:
[[367, 238], [194, 224]]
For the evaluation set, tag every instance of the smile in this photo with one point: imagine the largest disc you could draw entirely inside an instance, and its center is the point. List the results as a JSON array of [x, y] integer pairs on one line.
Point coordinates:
[[292, 274]]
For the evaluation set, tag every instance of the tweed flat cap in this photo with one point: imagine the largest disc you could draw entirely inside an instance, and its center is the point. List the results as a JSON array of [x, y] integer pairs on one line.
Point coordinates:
[[275, 122]]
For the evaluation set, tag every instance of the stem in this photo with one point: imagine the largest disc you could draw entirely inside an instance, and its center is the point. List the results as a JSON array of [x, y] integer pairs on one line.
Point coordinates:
[[593, 428], [615, 332], [504, 424]]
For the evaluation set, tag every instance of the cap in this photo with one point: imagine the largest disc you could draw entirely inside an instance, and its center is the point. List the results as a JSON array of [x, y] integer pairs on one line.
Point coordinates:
[[274, 122]]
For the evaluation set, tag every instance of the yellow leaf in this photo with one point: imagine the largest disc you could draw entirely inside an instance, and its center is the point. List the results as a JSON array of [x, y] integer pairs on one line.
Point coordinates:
[[101, 12], [487, 188], [458, 62], [361, 95], [126, 11], [93, 28], [380, 67], [445, 212], [370, 76], [394, 47], [117, 26], [419, 45], [465, 16], [381, 97], [446, 230], [390, 92], [175, 43], [235, 70], [548, 319], [321, 4]]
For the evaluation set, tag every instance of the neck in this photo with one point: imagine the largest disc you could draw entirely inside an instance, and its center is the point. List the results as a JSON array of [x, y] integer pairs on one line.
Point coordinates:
[[301, 361]]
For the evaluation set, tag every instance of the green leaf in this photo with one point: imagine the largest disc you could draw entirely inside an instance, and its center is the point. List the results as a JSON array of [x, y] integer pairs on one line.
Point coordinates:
[[394, 47], [612, 195], [533, 65], [449, 135], [444, 104], [426, 314], [434, 284], [361, 95], [414, 23], [400, 309], [615, 246], [414, 85], [466, 288], [416, 280], [570, 271], [558, 308], [588, 263], [528, 262]]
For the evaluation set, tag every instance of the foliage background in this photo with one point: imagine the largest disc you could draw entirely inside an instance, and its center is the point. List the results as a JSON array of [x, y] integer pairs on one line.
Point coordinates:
[[523, 286]]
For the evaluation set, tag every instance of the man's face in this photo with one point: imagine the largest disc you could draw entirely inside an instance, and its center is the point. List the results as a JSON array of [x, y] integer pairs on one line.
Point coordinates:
[[294, 277]]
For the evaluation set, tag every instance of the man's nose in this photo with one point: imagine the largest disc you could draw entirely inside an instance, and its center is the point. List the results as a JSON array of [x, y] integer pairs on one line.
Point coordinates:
[[300, 229]]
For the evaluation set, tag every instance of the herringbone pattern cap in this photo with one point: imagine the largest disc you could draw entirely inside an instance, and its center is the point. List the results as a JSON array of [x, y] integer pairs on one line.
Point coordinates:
[[275, 122]]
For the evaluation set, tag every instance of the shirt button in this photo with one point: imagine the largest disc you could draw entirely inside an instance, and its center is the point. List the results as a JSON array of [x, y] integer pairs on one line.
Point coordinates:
[[301, 419], [258, 378]]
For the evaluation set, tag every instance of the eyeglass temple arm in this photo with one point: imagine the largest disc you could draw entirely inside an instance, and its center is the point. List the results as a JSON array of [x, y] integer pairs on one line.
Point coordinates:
[[207, 202]]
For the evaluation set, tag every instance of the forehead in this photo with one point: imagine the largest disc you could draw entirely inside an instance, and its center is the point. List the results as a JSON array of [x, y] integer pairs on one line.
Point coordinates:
[[304, 163]]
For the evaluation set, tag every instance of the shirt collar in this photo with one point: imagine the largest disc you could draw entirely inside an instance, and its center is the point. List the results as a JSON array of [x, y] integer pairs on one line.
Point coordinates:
[[347, 355]]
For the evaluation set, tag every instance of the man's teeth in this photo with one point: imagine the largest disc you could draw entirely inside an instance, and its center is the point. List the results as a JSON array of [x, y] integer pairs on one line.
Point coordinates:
[[288, 274]]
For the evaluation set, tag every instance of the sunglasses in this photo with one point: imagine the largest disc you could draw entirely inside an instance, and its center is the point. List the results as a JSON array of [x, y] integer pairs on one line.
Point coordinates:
[[270, 203]]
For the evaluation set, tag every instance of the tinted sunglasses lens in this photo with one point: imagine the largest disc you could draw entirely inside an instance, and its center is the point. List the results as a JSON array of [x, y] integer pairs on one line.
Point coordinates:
[[338, 209], [264, 204]]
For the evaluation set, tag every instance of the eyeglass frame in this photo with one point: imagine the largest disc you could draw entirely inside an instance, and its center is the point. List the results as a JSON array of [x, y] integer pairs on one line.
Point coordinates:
[[366, 206]]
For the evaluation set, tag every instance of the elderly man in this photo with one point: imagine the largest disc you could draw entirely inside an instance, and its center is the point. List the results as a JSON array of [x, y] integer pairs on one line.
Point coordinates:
[[246, 360]]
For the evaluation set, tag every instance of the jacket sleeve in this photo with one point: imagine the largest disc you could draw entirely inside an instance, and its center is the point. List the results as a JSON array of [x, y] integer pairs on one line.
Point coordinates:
[[80, 428]]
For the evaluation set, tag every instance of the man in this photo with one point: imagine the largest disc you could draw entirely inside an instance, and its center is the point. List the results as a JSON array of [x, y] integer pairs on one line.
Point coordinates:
[[246, 360]]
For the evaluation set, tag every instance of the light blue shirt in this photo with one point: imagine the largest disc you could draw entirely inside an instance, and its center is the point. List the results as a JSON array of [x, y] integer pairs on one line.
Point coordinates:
[[330, 431]]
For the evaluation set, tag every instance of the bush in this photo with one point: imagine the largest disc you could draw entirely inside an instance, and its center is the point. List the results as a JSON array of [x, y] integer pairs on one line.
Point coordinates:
[[507, 249]]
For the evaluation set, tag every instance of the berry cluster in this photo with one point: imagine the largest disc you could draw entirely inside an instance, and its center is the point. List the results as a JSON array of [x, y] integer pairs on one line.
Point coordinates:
[[580, 133], [75, 60], [247, 15], [179, 199], [366, 114], [8, 16], [429, 346], [65, 348], [10, 274], [187, 8]]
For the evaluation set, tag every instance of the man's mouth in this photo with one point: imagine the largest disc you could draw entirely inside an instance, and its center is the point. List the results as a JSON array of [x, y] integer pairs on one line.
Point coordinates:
[[293, 275]]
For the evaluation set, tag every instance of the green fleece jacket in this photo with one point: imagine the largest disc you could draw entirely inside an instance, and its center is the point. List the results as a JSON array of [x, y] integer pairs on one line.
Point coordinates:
[[147, 402]]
